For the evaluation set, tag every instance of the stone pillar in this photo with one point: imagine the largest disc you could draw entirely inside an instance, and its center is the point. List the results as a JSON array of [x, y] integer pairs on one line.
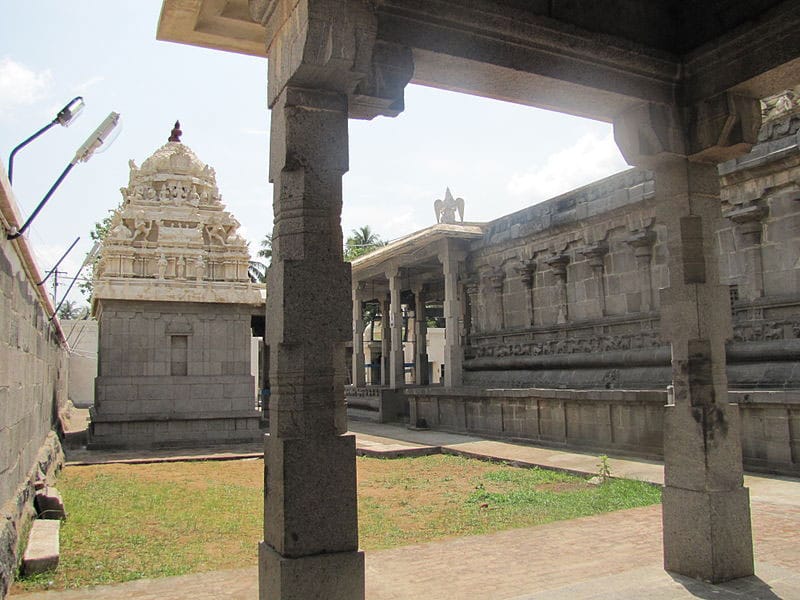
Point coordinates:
[[386, 340], [325, 65], [642, 240], [420, 338], [527, 273], [310, 519], [559, 262], [747, 220], [495, 278], [595, 254], [706, 511], [453, 353], [396, 362], [359, 375]]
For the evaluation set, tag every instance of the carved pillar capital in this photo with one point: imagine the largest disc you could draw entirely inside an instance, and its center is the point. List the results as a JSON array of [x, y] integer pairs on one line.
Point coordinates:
[[527, 272], [712, 131], [642, 242], [748, 218], [558, 263], [595, 254], [495, 278], [332, 45]]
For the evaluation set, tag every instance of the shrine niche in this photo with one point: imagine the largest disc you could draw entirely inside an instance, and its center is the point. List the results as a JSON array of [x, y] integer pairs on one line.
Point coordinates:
[[174, 306]]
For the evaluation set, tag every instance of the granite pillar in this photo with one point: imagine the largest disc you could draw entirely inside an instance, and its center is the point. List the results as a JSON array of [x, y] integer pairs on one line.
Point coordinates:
[[453, 353], [386, 341], [706, 511], [396, 361], [420, 338], [358, 375]]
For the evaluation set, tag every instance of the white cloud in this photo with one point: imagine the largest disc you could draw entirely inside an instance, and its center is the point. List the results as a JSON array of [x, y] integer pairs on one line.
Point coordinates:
[[589, 159], [21, 86], [85, 85]]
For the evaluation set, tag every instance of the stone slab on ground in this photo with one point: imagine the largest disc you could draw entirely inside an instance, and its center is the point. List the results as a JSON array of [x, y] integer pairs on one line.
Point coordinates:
[[41, 554]]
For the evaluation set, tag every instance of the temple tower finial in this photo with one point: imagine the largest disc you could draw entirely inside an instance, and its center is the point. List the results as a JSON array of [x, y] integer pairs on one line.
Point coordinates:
[[176, 133]]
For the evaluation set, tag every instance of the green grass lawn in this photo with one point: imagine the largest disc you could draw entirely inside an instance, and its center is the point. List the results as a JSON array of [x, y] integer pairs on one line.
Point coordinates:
[[133, 521]]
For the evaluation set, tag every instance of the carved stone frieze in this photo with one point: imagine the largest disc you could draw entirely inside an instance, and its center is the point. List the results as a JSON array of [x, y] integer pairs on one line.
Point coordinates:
[[495, 347]]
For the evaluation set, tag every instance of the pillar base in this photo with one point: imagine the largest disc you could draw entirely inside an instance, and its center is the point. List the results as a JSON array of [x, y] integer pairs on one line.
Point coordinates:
[[707, 535], [332, 576]]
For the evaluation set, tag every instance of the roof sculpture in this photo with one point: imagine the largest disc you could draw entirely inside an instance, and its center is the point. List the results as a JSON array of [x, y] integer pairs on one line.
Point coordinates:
[[171, 238]]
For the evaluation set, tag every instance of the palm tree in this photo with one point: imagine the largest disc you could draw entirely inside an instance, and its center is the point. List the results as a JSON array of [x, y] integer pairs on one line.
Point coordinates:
[[257, 270], [361, 241], [70, 310]]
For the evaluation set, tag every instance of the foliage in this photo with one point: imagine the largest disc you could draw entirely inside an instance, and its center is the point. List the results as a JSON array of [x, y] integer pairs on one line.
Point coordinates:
[[256, 269], [125, 522], [98, 234], [361, 241], [603, 468], [71, 310]]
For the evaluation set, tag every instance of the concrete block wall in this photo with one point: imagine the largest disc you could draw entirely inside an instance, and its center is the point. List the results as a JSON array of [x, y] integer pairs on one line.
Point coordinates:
[[33, 380]]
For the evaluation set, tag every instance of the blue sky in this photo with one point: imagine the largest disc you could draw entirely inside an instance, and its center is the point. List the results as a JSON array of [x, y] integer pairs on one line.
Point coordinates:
[[499, 157]]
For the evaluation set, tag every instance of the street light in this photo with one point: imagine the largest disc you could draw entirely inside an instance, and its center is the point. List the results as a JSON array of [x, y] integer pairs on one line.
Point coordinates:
[[65, 117], [84, 153]]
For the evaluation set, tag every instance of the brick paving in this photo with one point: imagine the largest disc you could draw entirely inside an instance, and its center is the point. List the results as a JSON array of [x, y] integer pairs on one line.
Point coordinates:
[[611, 556]]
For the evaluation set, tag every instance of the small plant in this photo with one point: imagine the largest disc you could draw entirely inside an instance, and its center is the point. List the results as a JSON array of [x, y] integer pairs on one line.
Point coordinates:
[[603, 468]]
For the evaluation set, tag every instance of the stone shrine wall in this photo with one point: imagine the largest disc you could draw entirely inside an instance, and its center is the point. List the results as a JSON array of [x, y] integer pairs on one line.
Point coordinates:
[[173, 374]]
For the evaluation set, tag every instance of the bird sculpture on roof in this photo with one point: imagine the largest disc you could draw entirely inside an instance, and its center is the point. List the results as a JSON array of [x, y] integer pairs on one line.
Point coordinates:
[[446, 209]]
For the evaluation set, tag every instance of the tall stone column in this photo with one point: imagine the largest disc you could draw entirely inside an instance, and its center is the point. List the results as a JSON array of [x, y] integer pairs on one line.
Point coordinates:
[[420, 338], [453, 353], [396, 359], [386, 340], [642, 241], [527, 273], [706, 511], [324, 66], [559, 263], [748, 222], [596, 254], [358, 376], [495, 278]]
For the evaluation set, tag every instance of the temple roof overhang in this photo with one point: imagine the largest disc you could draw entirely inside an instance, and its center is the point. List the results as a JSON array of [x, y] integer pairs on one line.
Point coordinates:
[[590, 59], [417, 254]]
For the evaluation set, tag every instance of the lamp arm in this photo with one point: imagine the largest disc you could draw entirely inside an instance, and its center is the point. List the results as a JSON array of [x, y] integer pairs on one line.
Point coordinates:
[[16, 234], [21, 145]]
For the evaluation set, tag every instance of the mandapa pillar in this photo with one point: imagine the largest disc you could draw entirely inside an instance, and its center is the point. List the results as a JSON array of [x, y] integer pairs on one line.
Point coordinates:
[[325, 65], [396, 360], [706, 510], [453, 353], [310, 546], [358, 377], [420, 338]]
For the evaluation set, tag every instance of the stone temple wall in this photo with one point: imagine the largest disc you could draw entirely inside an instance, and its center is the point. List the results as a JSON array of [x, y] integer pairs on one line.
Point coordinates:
[[565, 294], [173, 373], [33, 380]]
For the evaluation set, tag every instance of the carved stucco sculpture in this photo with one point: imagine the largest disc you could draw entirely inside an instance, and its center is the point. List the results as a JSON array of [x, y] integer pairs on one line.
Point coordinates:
[[171, 237]]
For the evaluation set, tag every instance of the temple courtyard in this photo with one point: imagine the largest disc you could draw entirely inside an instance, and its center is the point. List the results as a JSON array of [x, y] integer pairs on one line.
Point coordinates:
[[612, 555]]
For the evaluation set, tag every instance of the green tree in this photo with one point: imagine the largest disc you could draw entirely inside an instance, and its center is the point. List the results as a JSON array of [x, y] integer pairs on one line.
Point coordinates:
[[97, 234], [361, 241], [71, 310], [257, 269]]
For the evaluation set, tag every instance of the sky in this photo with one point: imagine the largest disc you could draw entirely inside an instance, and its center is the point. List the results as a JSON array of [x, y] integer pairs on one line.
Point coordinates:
[[498, 156]]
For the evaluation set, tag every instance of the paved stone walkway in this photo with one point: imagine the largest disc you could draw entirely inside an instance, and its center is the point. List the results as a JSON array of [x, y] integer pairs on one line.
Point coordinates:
[[611, 556]]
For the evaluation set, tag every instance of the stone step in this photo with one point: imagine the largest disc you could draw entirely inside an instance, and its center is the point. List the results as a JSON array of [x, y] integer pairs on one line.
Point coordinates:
[[41, 554]]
